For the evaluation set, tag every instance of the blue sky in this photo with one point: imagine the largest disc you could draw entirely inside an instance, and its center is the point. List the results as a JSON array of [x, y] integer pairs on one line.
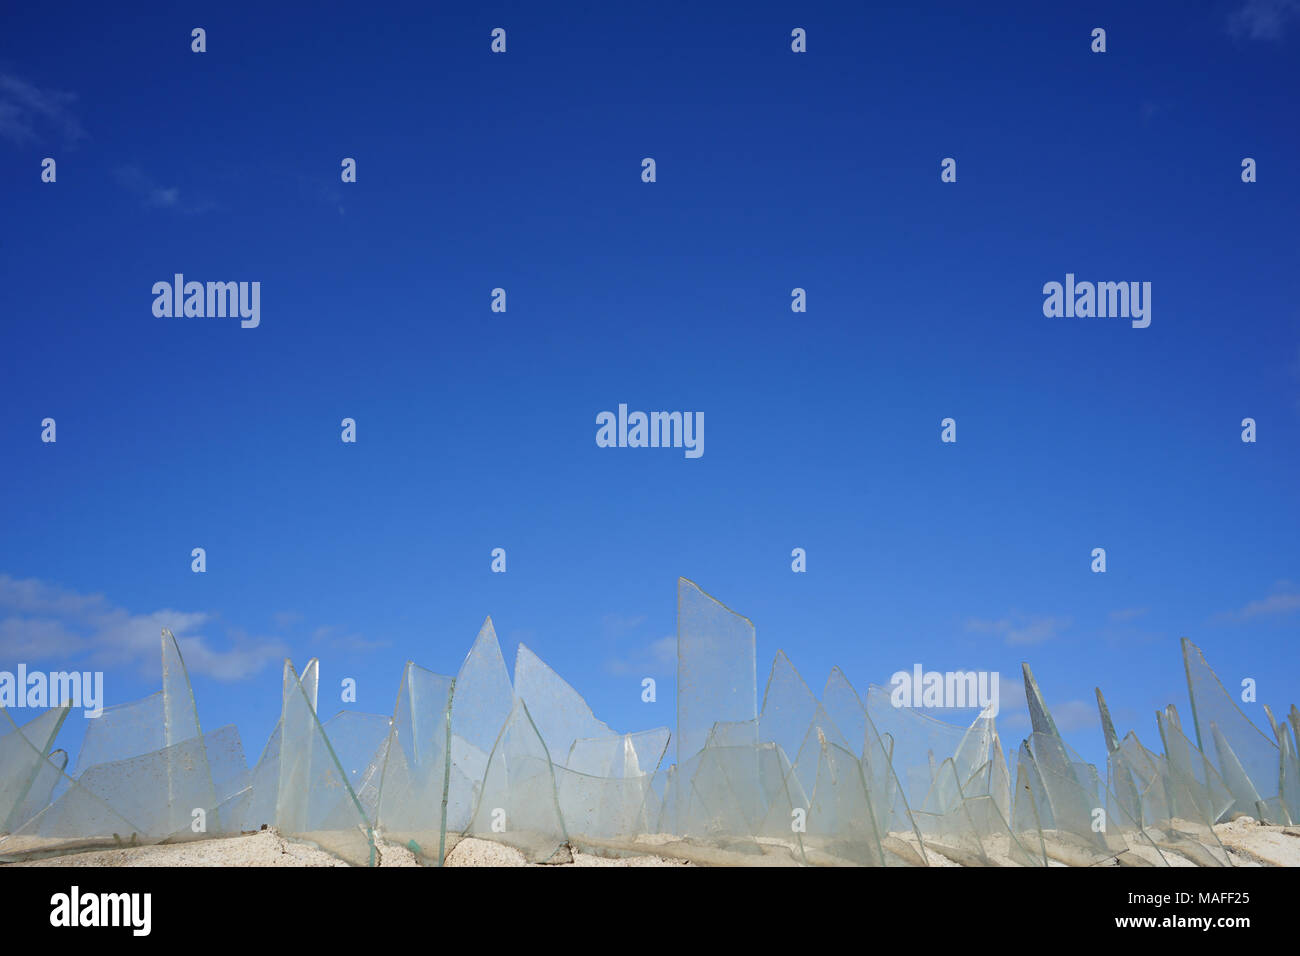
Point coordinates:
[[476, 429]]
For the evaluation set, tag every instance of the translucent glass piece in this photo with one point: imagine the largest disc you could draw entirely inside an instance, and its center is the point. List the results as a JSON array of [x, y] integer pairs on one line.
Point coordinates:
[[899, 834], [518, 804], [1181, 795], [484, 695], [999, 789], [254, 807], [1072, 795], [558, 711], [161, 792], [841, 828], [794, 720], [148, 798], [41, 794], [1245, 757], [315, 802], [145, 726], [1107, 725], [1031, 813], [124, 730], [23, 756], [1289, 772], [821, 731], [788, 709], [77, 820], [1040, 718], [733, 733], [1001, 846], [844, 708], [180, 717], [721, 803], [310, 681], [479, 709], [918, 744], [625, 755], [604, 813], [360, 742], [416, 765], [945, 821], [716, 676]]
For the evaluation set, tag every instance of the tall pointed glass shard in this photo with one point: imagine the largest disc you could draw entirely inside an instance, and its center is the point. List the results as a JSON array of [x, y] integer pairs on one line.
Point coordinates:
[[558, 711], [191, 781], [417, 764], [788, 708], [315, 802], [518, 804], [845, 708], [1190, 797], [180, 717], [479, 709], [716, 675], [1244, 755]]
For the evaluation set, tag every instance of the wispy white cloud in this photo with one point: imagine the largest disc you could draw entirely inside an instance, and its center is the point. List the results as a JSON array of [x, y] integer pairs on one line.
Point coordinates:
[[33, 638], [1128, 614], [1075, 715], [1284, 600], [1263, 19], [246, 654], [335, 639], [286, 619], [656, 659], [45, 622], [28, 113], [154, 194], [615, 625], [1018, 629]]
